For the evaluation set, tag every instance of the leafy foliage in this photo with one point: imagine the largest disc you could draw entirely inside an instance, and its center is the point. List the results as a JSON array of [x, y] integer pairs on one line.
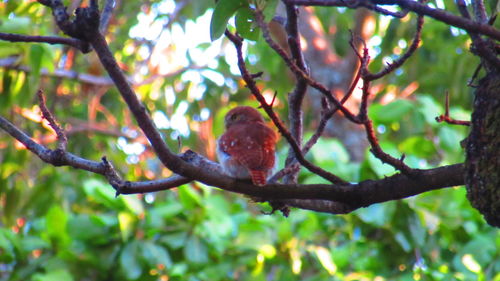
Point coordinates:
[[61, 224]]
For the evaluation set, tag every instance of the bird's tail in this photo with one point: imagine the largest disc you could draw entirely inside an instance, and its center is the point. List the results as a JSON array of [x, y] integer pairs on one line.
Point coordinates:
[[258, 177]]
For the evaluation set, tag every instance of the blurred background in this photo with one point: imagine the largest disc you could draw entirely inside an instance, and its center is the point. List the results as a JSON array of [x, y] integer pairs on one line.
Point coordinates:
[[58, 223]]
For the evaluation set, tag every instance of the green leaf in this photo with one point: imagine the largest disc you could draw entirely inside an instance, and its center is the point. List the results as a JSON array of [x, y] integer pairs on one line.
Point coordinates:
[[378, 214], [189, 197], [126, 222], [419, 146], [329, 150], [85, 228], [175, 240], [417, 231], [270, 9], [20, 25], [429, 108], [6, 95], [195, 251], [377, 166], [56, 231], [245, 24], [129, 261], [35, 59], [59, 275], [102, 193], [403, 241], [391, 112], [133, 204], [155, 254], [224, 10], [7, 254], [31, 243], [449, 139], [12, 198]]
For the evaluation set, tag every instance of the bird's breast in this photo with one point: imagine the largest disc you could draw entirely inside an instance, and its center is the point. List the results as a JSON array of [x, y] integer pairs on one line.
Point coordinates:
[[230, 165]]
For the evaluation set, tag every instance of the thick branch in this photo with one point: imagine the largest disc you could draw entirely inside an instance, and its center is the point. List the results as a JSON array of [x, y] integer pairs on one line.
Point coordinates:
[[350, 196], [296, 98]]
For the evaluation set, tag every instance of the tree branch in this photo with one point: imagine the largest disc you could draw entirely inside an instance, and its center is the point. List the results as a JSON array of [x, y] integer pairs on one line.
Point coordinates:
[[61, 135], [60, 157], [402, 59], [346, 197], [350, 196], [107, 12], [414, 6], [12, 63], [83, 46], [446, 116]]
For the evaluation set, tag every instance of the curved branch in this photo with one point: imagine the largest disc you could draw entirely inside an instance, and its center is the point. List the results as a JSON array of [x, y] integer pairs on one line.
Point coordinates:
[[347, 197], [402, 59], [60, 157]]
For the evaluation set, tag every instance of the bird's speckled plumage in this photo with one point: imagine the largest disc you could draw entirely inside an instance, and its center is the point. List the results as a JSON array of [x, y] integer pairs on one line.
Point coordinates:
[[247, 149]]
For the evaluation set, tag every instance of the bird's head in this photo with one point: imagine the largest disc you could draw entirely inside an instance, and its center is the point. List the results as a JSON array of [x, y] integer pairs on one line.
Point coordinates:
[[242, 115]]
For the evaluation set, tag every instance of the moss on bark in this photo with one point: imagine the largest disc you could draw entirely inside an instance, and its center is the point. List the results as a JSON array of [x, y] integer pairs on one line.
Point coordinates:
[[483, 150]]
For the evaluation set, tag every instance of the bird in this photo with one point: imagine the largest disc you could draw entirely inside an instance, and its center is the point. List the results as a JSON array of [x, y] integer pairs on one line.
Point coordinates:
[[247, 148]]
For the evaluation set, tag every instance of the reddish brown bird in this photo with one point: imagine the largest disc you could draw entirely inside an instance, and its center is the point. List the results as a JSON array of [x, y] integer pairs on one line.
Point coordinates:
[[247, 149]]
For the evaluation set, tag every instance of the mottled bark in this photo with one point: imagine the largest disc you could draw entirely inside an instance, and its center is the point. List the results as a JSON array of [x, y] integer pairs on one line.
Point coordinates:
[[483, 150]]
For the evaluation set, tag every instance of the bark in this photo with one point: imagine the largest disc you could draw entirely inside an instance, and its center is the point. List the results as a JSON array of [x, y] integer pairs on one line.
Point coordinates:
[[483, 150]]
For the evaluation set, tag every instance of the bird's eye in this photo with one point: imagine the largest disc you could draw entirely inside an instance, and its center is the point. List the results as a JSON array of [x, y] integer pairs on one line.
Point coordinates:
[[234, 117]]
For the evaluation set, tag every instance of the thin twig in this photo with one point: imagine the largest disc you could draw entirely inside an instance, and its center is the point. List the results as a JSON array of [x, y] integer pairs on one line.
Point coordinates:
[[107, 12], [446, 116], [298, 72], [380, 154], [327, 113], [402, 59], [61, 135], [238, 42], [398, 14], [290, 169], [470, 83], [368, 124], [63, 158]]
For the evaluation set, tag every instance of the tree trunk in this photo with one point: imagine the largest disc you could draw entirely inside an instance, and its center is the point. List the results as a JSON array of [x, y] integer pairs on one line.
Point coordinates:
[[483, 150]]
